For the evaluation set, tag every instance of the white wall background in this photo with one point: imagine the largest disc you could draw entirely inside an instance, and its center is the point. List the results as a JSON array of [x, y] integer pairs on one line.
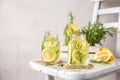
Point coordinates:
[[22, 25]]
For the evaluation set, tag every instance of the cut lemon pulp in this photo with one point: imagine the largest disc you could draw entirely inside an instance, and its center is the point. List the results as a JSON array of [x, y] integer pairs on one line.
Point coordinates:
[[104, 55], [49, 55], [79, 58], [74, 27], [112, 56], [76, 56]]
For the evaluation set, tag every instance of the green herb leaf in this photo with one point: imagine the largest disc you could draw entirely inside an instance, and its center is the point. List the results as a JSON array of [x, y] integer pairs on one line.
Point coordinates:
[[96, 32], [60, 65], [100, 62]]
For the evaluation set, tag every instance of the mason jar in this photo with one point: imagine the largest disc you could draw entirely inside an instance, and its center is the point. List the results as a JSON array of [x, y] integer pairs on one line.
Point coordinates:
[[50, 48], [78, 50]]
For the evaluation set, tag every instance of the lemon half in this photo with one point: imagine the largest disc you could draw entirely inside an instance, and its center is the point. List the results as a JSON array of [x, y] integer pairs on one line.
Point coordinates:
[[104, 55], [112, 56]]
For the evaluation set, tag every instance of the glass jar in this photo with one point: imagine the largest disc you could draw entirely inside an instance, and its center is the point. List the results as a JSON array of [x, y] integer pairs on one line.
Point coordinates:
[[78, 50], [50, 48]]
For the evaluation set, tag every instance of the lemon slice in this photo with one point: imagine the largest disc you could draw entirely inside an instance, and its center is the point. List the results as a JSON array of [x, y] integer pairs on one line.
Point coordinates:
[[49, 55], [70, 30], [76, 57], [79, 58], [84, 47], [104, 55], [74, 27]]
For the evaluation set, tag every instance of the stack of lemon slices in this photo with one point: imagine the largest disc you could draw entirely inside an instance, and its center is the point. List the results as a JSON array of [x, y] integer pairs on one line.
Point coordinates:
[[104, 55]]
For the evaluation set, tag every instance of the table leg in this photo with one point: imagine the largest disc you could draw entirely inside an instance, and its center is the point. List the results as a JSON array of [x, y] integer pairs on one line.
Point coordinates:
[[93, 79], [118, 76], [49, 77]]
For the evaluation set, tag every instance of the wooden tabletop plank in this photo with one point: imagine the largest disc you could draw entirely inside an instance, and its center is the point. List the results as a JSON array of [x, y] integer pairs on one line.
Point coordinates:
[[97, 71]]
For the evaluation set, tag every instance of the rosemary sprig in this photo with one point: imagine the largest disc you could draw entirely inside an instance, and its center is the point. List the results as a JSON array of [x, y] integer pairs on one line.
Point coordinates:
[[96, 32], [99, 62]]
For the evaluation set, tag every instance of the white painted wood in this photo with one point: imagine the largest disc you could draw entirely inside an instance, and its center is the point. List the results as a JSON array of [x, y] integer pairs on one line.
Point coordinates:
[[109, 11], [95, 11], [100, 0], [49, 77], [97, 72], [96, 0], [118, 39], [119, 21], [111, 25], [43, 69], [118, 76], [64, 48]]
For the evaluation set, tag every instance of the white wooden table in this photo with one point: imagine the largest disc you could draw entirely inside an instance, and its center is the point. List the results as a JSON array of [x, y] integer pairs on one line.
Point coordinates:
[[99, 71]]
